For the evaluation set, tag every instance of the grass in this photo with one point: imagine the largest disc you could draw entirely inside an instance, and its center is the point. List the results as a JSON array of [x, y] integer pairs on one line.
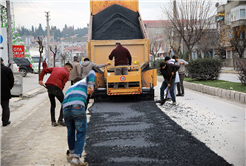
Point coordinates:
[[220, 84]]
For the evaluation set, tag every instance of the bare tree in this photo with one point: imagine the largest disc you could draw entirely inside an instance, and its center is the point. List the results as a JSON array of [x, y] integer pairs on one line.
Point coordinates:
[[155, 46], [210, 40], [238, 40], [63, 58], [54, 54], [41, 48], [190, 19], [174, 39]]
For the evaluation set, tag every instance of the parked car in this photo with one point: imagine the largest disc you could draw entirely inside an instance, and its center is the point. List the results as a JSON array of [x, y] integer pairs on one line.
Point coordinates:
[[25, 66]]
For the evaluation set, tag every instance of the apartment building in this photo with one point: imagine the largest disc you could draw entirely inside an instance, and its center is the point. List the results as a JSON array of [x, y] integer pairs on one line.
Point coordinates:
[[232, 14]]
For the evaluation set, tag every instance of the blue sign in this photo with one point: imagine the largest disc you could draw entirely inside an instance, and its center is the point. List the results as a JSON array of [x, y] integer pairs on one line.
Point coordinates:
[[1, 39]]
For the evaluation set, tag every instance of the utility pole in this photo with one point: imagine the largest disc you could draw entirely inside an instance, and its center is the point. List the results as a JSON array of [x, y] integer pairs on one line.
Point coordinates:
[[48, 38], [10, 51]]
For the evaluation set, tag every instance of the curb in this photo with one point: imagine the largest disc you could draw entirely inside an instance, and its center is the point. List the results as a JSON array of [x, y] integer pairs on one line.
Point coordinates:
[[29, 94], [230, 71], [223, 93]]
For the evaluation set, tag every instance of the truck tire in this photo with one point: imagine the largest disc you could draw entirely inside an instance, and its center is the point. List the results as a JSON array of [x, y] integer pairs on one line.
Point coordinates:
[[24, 72]]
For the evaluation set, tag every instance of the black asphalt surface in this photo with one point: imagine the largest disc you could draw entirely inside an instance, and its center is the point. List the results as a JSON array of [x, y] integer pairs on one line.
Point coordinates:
[[116, 23], [132, 134]]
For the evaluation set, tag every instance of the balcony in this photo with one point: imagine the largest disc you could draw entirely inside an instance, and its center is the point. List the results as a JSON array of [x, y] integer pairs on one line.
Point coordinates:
[[238, 15]]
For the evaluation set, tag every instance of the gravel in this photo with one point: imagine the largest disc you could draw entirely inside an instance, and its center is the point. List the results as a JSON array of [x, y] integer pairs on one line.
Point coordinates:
[[116, 23], [140, 133]]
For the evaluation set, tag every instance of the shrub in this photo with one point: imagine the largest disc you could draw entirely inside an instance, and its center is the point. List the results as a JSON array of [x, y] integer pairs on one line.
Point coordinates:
[[156, 64], [241, 67], [204, 69]]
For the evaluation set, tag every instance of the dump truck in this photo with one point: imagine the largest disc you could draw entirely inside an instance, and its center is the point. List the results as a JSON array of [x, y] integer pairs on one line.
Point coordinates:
[[120, 21]]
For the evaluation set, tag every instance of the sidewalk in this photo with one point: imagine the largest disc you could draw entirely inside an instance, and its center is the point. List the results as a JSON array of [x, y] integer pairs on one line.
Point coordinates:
[[229, 70]]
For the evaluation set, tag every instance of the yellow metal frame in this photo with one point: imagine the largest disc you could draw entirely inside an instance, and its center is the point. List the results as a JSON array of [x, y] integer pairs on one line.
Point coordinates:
[[133, 76]]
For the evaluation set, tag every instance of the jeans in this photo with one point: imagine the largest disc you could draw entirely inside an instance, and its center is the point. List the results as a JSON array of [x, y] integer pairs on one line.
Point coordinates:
[[163, 87], [55, 92], [6, 111], [180, 84], [75, 120]]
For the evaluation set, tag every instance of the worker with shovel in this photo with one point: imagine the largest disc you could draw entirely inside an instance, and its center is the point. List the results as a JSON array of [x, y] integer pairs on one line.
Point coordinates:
[[168, 71]]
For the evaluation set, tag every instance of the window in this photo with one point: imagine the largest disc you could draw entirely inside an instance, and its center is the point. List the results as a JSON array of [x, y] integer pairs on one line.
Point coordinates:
[[228, 18], [242, 13]]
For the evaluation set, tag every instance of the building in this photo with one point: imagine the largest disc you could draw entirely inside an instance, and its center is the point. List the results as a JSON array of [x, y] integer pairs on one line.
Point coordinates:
[[155, 30], [74, 46], [232, 14]]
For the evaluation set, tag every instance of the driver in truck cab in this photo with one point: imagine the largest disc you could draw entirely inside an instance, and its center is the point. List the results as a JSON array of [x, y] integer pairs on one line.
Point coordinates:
[[122, 58]]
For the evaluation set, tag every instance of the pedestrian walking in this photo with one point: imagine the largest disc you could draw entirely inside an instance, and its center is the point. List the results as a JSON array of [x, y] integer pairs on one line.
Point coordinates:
[[122, 57], [55, 84], [75, 72], [168, 70], [75, 116], [87, 66], [7, 83], [182, 63], [172, 61], [44, 64]]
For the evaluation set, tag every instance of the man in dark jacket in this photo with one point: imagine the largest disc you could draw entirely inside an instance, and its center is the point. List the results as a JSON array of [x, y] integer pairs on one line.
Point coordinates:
[[7, 83], [55, 84], [168, 71], [122, 58]]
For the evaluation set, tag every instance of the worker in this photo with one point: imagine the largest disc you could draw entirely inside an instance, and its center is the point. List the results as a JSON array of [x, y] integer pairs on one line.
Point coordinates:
[[122, 57], [75, 72]]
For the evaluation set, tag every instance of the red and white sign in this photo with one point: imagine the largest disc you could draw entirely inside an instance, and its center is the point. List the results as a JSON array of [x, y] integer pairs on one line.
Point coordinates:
[[122, 78], [18, 51]]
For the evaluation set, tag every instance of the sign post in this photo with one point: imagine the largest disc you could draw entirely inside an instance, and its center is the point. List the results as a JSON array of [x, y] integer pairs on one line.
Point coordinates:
[[3, 45]]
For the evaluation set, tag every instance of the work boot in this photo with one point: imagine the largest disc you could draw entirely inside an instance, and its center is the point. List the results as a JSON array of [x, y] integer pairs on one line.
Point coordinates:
[[61, 123], [162, 102], [6, 124], [54, 124], [79, 163]]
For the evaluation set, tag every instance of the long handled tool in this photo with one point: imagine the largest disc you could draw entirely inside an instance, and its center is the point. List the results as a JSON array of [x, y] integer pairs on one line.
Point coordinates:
[[163, 101]]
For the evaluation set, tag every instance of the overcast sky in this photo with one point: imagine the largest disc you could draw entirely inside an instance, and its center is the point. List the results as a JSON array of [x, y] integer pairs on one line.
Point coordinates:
[[71, 12]]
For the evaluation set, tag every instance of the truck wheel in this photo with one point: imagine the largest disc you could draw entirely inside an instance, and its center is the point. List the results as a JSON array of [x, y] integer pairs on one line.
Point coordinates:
[[24, 72]]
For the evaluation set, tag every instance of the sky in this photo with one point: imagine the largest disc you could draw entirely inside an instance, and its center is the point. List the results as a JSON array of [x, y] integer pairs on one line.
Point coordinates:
[[71, 12]]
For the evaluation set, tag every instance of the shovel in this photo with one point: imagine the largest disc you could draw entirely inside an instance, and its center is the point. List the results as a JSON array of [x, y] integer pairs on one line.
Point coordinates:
[[163, 102]]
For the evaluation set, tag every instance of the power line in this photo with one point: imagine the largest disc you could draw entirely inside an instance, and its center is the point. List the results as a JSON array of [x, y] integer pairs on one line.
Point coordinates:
[[32, 4], [31, 11]]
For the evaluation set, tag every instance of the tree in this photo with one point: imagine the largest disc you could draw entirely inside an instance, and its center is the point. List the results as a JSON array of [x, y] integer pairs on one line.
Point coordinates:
[[54, 54], [190, 19], [238, 40], [174, 39], [41, 47]]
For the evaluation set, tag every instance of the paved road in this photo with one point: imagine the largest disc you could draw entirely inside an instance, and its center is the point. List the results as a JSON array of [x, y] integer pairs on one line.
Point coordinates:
[[229, 77], [217, 122], [30, 82]]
